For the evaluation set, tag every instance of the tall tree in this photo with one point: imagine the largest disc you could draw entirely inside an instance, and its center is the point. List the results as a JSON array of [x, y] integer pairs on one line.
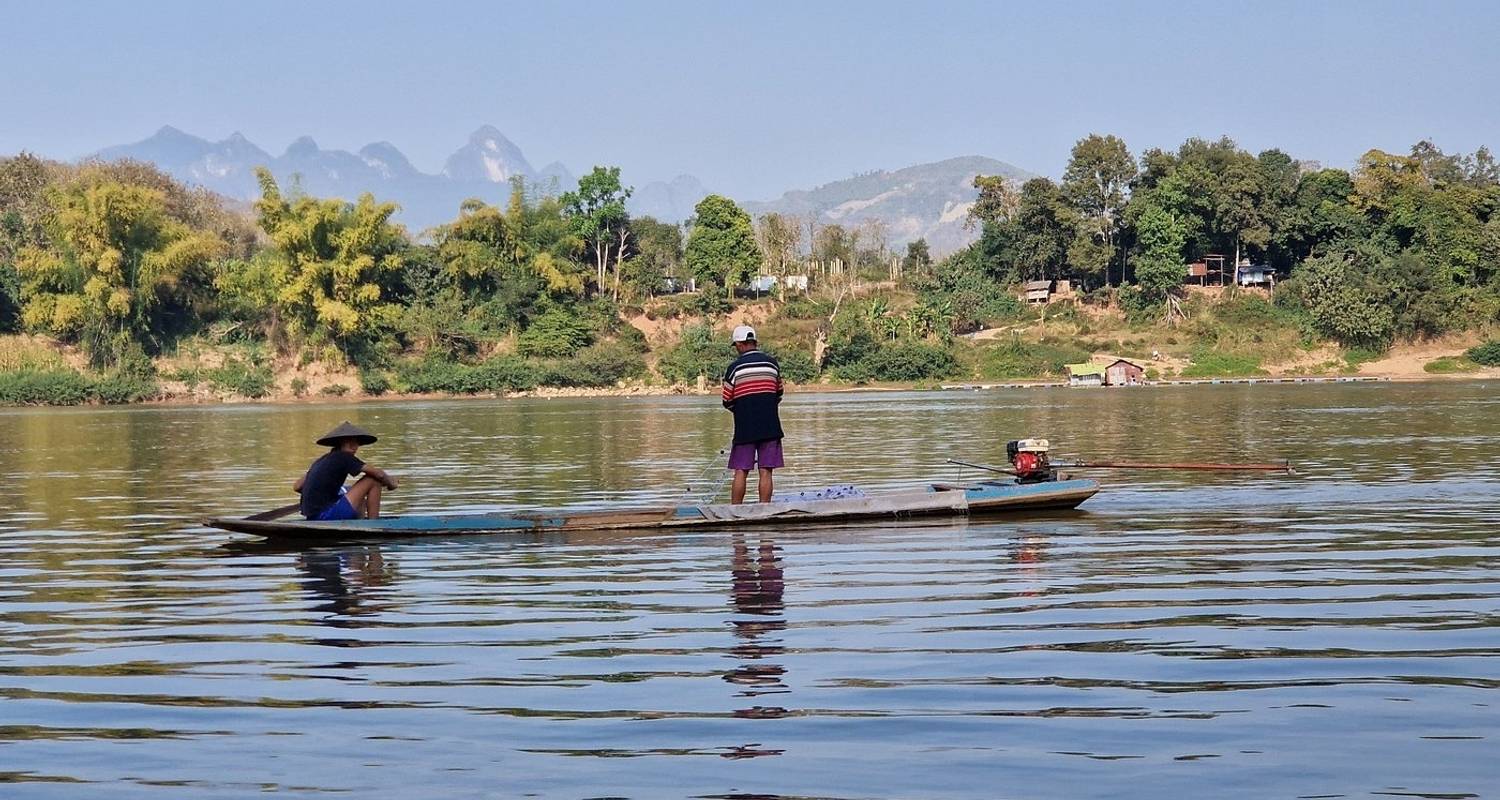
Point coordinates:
[[996, 201], [721, 243], [780, 237], [597, 210], [333, 263], [1045, 226], [1097, 177], [658, 254]]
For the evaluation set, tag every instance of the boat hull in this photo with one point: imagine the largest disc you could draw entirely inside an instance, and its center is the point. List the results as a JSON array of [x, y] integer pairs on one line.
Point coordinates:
[[937, 501]]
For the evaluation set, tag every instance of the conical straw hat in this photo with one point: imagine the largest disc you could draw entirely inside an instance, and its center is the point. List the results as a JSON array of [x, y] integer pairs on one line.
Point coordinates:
[[347, 430]]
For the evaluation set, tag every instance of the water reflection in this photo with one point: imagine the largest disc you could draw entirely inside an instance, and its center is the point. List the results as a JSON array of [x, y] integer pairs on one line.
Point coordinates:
[[1182, 636], [346, 583]]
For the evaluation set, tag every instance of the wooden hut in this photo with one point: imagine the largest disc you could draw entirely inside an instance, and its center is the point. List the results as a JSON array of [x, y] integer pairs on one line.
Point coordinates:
[[1085, 374], [1037, 292], [1124, 373]]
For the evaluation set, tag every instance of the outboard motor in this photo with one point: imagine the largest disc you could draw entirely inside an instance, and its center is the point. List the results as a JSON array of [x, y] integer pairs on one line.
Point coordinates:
[[1029, 459]]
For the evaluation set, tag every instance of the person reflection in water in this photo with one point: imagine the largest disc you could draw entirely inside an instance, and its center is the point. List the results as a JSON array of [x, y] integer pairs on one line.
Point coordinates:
[[345, 581], [756, 592]]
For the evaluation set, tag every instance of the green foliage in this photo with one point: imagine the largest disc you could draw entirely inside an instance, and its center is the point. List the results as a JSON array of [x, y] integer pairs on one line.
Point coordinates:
[[1343, 303], [333, 264], [50, 387], [497, 375], [242, 377], [334, 390], [1487, 354], [299, 387], [1450, 365], [1020, 358], [604, 364], [1214, 364], [796, 365], [556, 332], [861, 358], [699, 352], [118, 387], [721, 246], [374, 382]]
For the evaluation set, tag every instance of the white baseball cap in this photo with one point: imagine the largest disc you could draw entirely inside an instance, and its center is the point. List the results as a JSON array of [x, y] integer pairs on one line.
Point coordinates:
[[743, 333]]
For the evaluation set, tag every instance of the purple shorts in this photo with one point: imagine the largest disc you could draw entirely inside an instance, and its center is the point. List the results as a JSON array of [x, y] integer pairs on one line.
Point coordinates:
[[766, 453]]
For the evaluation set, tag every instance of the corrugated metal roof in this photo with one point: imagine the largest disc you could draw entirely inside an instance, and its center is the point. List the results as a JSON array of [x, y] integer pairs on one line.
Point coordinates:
[[1032, 286], [1085, 369]]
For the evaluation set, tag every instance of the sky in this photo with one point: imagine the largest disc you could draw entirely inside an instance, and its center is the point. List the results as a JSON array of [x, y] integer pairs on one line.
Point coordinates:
[[754, 98]]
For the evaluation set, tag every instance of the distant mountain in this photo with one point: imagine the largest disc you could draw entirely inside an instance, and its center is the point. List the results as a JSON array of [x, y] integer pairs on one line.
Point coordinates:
[[926, 201], [481, 168]]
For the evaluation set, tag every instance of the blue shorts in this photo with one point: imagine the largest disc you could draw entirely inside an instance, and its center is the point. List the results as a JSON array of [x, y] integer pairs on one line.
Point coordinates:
[[340, 510]]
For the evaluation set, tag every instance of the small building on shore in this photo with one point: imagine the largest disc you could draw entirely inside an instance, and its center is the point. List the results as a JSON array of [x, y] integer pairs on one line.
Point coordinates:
[[1124, 373], [1036, 292], [1085, 374]]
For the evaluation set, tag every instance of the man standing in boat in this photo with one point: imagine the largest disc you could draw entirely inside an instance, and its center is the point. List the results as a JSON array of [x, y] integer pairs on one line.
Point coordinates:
[[322, 488], [752, 390]]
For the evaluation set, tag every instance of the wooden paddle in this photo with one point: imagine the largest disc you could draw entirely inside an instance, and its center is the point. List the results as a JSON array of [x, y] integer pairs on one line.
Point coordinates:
[[275, 513]]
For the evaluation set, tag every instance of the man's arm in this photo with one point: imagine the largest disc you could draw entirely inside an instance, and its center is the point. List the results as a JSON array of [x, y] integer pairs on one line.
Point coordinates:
[[381, 475], [728, 383], [297, 484]]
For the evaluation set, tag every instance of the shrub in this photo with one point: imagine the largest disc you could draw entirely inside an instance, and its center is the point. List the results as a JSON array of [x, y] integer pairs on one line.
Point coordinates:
[[334, 389], [1449, 365], [1213, 364], [501, 374], [120, 387], [374, 382], [913, 361], [600, 365], [1020, 358], [555, 333], [698, 352], [50, 387], [241, 378], [299, 387], [1487, 354], [796, 365], [803, 308]]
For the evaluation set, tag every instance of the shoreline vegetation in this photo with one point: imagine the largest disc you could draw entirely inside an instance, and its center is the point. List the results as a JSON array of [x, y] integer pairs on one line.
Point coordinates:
[[119, 284]]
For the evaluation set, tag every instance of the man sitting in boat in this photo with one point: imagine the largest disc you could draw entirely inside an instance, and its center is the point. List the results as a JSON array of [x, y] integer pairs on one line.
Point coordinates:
[[322, 488], [752, 390]]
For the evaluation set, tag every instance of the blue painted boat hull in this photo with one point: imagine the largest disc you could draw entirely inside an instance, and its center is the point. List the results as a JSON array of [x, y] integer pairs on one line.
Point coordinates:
[[935, 501]]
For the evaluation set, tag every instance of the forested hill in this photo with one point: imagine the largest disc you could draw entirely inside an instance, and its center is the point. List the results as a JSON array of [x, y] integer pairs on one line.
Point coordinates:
[[926, 201]]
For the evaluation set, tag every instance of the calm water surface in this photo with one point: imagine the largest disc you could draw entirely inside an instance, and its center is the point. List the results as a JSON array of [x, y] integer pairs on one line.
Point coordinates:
[[1184, 635]]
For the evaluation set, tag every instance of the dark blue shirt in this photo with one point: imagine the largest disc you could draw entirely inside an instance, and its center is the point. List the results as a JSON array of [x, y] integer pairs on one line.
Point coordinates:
[[320, 488]]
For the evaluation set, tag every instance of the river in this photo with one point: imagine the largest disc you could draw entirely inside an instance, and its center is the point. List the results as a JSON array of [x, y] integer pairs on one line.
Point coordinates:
[[1332, 634]]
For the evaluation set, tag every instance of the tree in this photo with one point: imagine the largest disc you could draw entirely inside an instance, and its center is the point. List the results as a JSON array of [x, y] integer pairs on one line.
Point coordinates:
[[721, 243], [1158, 266], [1045, 226], [996, 201], [1238, 208], [333, 263], [1098, 174], [116, 270], [1343, 305], [597, 212], [658, 254], [918, 258], [780, 236]]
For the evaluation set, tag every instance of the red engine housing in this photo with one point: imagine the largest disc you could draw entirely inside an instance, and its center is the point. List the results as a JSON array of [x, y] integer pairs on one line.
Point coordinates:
[[1029, 464]]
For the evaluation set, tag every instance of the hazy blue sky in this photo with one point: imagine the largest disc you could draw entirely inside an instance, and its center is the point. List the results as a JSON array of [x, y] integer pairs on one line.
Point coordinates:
[[754, 98]]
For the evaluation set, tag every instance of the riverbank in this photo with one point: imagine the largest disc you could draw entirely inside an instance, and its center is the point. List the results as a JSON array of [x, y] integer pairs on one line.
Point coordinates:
[[37, 371]]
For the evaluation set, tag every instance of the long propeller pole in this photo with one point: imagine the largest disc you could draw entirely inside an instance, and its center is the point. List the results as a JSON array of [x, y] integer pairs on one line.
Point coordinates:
[[1284, 467]]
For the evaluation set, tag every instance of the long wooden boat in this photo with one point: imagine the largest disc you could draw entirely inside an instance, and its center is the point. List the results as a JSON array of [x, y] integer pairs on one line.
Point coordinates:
[[937, 500]]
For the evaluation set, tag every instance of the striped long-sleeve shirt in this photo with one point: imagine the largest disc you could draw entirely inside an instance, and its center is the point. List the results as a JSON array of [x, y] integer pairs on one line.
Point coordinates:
[[752, 390]]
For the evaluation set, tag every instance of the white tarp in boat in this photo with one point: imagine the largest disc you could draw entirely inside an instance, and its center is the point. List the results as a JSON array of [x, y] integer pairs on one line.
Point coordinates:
[[871, 504]]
